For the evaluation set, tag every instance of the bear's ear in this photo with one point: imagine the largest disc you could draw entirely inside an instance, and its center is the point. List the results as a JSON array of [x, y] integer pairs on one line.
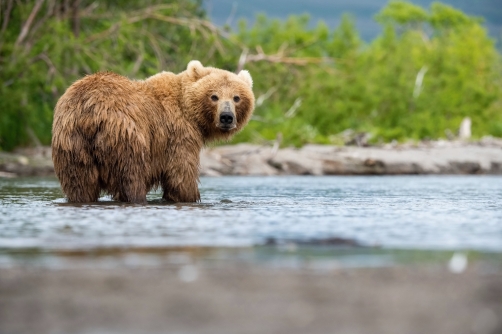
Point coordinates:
[[244, 75], [196, 70]]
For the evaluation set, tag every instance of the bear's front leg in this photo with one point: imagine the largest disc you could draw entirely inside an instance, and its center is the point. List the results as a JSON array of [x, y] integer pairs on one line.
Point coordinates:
[[181, 181]]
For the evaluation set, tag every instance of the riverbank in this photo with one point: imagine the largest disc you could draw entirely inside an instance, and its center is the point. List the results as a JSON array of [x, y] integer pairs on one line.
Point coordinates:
[[431, 157], [243, 298]]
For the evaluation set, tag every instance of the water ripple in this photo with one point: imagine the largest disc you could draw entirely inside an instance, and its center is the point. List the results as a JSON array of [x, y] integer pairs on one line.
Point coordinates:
[[407, 211]]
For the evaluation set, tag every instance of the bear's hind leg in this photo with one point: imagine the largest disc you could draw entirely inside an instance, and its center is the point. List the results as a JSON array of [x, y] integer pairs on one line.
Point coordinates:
[[79, 177], [131, 190], [124, 171]]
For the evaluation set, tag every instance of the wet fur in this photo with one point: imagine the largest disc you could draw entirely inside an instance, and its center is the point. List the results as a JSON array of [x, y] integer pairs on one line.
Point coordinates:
[[126, 137]]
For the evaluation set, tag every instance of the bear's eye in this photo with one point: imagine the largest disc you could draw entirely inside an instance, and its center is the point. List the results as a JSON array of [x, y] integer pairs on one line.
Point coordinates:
[[214, 98], [236, 99]]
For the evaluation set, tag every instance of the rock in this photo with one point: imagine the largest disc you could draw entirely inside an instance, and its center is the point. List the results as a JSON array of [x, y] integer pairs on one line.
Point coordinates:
[[465, 167], [23, 160], [296, 162], [404, 169], [332, 242], [27, 162], [495, 168], [490, 141], [350, 137], [213, 164], [242, 159], [254, 164], [7, 175]]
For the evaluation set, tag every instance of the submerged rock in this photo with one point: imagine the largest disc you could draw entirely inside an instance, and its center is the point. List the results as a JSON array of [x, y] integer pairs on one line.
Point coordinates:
[[331, 242]]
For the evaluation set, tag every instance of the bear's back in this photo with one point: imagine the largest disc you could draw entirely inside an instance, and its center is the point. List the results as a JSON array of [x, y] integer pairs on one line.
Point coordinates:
[[106, 97], [104, 91]]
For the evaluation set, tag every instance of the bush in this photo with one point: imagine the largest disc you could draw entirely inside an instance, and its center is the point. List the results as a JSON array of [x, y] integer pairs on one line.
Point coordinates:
[[424, 74]]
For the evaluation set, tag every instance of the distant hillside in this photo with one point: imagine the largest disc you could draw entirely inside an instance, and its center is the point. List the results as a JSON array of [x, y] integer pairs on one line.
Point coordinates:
[[230, 11]]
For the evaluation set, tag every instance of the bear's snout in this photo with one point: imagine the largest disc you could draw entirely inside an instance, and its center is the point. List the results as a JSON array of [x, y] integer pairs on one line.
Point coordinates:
[[227, 116]]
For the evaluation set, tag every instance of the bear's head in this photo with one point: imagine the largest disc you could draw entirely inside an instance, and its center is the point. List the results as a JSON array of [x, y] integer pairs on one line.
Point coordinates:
[[219, 101]]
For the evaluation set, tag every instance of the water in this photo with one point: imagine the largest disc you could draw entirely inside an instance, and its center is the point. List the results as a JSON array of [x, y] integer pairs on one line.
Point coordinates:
[[405, 212]]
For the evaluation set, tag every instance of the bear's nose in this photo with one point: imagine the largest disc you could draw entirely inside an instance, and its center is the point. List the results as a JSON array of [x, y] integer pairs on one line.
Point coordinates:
[[226, 118]]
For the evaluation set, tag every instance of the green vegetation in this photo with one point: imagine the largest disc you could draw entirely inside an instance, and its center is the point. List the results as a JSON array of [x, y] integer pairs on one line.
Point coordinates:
[[422, 76], [427, 70]]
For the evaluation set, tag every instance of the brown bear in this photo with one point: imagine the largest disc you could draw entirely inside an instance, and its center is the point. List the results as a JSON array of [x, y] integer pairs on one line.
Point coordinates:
[[126, 137]]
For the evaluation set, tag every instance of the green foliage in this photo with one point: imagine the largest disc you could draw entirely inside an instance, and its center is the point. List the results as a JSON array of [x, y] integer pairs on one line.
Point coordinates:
[[426, 71], [424, 74], [402, 12]]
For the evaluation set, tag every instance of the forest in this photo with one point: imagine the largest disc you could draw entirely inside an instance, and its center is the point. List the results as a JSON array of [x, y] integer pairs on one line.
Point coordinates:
[[426, 71]]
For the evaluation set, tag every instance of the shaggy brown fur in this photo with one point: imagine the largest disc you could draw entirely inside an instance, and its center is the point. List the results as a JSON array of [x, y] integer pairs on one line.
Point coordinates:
[[126, 137]]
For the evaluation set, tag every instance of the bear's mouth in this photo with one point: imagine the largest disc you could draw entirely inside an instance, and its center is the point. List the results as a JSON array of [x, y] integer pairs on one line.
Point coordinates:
[[226, 127]]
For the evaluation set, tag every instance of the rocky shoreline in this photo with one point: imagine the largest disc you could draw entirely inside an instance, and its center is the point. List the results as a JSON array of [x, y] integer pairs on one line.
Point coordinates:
[[434, 157]]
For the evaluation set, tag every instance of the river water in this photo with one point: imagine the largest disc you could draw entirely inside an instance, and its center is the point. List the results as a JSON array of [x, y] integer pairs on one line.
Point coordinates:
[[403, 212]]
